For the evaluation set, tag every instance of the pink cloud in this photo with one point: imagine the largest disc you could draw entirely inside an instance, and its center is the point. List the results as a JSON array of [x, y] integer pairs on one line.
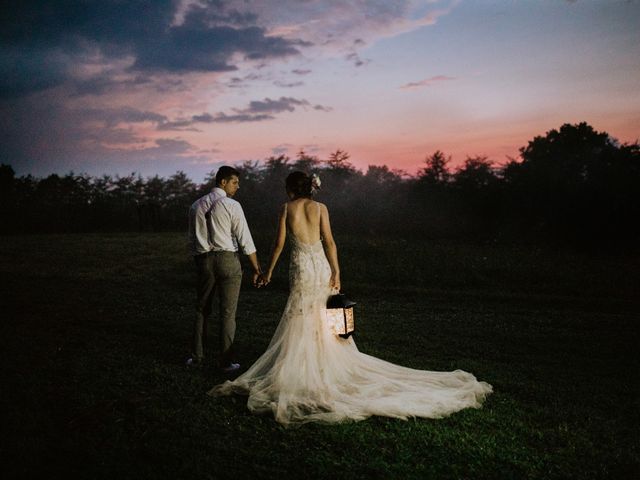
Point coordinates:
[[427, 82]]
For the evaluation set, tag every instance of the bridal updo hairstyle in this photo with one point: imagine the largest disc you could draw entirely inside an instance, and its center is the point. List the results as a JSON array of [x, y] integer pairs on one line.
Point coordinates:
[[299, 184]]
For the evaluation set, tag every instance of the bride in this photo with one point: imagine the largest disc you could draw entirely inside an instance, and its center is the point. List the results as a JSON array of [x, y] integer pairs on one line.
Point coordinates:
[[308, 373]]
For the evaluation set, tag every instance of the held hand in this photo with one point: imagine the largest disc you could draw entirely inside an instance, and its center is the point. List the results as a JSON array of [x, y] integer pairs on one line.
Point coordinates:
[[334, 282], [256, 279], [265, 279]]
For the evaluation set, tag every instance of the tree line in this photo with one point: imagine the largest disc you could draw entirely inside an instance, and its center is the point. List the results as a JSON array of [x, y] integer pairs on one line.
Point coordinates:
[[572, 185]]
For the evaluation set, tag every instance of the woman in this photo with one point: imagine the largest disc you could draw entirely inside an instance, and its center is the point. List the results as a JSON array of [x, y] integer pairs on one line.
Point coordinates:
[[310, 374]]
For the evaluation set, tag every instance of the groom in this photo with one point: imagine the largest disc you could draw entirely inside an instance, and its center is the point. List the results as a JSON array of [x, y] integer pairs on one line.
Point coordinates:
[[217, 229]]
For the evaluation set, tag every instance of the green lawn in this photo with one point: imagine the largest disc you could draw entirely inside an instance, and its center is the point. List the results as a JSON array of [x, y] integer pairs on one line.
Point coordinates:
[[95, 329]]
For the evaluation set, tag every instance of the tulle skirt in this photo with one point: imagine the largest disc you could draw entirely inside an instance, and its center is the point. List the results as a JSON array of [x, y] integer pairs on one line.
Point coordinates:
[[309, 374]]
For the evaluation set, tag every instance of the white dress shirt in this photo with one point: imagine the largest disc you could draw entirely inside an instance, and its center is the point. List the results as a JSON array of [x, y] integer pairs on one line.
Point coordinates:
[[217, 223]]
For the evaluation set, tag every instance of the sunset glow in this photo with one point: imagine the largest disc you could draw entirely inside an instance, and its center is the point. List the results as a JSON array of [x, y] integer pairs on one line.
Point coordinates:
[[191, 85]]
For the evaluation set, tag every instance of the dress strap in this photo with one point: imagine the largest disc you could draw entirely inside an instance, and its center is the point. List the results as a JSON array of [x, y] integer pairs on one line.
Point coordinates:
[[286, 224]]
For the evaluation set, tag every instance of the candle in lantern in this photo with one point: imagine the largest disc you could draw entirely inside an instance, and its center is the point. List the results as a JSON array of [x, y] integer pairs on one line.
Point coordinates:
[[340, 315]]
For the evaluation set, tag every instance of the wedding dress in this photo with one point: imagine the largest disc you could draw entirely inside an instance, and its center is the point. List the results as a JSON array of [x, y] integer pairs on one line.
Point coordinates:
[[309, 374]]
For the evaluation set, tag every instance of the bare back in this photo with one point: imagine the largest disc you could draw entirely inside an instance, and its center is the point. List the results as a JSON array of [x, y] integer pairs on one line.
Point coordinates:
[[303, 220], [308, 223]]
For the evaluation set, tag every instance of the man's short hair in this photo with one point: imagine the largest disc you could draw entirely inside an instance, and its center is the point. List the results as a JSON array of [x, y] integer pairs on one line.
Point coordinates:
[[225, 173]]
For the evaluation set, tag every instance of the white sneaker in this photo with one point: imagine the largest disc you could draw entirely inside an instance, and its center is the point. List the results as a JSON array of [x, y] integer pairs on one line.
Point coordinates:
[[193, 362], [232, 367]]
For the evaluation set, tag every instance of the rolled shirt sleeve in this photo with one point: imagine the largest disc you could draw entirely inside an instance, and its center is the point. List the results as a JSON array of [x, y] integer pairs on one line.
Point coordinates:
[[240, 230]]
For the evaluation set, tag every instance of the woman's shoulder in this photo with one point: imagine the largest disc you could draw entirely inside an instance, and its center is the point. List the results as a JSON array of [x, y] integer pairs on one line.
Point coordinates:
[[305, 204], [319, 205]]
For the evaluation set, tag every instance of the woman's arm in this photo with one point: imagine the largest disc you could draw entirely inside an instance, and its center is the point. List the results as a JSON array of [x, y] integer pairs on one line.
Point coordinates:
[[278, 245], [329, 247]]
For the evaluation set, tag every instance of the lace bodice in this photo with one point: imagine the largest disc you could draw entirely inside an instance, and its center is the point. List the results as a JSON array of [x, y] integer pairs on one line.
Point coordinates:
[[309, 271]]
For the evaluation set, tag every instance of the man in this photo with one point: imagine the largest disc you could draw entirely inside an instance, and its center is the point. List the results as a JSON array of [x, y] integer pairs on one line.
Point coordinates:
[[217, 229]]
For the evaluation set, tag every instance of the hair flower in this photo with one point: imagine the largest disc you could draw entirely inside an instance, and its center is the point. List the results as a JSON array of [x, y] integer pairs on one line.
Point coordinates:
[[315, 182]]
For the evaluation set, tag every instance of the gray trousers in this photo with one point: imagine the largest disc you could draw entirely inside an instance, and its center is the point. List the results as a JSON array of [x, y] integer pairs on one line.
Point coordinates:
[[221, 272]]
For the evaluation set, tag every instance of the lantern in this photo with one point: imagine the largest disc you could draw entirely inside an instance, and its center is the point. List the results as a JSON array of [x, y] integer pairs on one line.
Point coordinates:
[[340, 315]]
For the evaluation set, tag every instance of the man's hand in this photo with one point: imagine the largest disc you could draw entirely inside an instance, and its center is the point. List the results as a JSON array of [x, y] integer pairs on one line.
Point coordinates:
[[253, 259], [264, 280], [256, 279]]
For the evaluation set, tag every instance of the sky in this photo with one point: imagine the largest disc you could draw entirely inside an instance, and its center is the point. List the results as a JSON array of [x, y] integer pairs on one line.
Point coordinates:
[[115, 87]]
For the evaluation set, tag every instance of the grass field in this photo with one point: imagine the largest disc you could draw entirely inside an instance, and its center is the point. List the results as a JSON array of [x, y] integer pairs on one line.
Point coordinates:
[[95, 329]]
